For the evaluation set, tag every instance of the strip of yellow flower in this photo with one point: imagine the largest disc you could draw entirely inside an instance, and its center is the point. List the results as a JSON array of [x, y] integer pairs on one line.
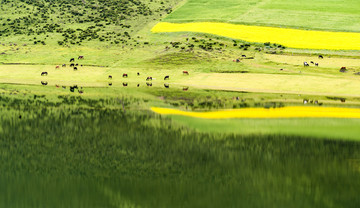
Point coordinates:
[[285, 112], [292, 38]]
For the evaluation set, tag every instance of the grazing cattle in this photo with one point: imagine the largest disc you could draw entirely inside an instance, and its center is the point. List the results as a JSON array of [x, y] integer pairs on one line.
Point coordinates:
[[166, 85], [72, 89], [72, 65], [44, 73], [306, 63], [125, 75], [311, 62], [125, 84], [316, 64], [342, 100], [75, 68], [138, 85], [72, 59], [185, 88], [138, 74], [166, 77], [186, 72], [281, 69], [81, 65], [343, 67], [149, 84], [110, 84], [64, 87], [244, 56], [110, 77], [44, 82], [76, 64], [80, 91], [81, 57], [321, 57], [64, 65], [57, 86], [148, 78], [237, 60], [57, 67], [316, 102]]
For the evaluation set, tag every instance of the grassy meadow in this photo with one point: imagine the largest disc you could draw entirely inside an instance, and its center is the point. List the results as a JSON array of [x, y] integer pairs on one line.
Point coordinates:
[[77, 138], [316, 15]]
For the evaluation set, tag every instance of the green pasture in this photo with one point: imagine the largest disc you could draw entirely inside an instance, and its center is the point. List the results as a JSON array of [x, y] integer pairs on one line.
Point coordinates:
[[333, 15]]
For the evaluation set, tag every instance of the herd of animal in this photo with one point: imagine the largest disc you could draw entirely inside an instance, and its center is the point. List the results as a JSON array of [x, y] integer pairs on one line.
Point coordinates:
[[311, 62], [110, 77]]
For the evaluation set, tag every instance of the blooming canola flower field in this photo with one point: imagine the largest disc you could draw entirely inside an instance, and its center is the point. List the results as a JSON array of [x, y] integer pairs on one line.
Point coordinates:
[[285, 112], [293, 38]]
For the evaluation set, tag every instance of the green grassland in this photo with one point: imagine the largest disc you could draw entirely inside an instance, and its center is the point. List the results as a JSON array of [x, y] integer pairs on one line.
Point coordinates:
[[333, 15], [103, 147]]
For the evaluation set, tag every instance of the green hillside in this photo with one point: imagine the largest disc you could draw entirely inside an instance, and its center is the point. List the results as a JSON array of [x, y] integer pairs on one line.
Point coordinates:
[[79, 22], [337, 15]]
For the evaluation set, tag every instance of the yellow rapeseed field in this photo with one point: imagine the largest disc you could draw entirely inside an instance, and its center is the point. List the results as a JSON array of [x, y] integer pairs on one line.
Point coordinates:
[[292, 38], [285, 112]]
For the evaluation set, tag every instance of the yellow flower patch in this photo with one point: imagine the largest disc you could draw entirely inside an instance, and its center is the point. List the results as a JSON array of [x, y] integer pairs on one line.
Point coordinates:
[[285, 112], [292, 38]]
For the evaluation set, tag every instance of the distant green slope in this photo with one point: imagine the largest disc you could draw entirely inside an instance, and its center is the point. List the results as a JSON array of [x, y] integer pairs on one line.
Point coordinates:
[[76, 22], [337, 15]]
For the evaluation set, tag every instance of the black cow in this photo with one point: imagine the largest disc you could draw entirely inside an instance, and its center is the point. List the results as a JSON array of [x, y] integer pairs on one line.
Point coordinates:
[[110, 77], [72, 59], [306, 63], [166, 77], [125, 75], [75, 68], [76, 64], [316, 64], [44, 73], [138, 74], [321, 57], [125, 84], [110, 84], [166, 85], [148, 78], [244, 56], [72, 65], [44, 82], [138, 85], [311, 62], [149, 84]]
